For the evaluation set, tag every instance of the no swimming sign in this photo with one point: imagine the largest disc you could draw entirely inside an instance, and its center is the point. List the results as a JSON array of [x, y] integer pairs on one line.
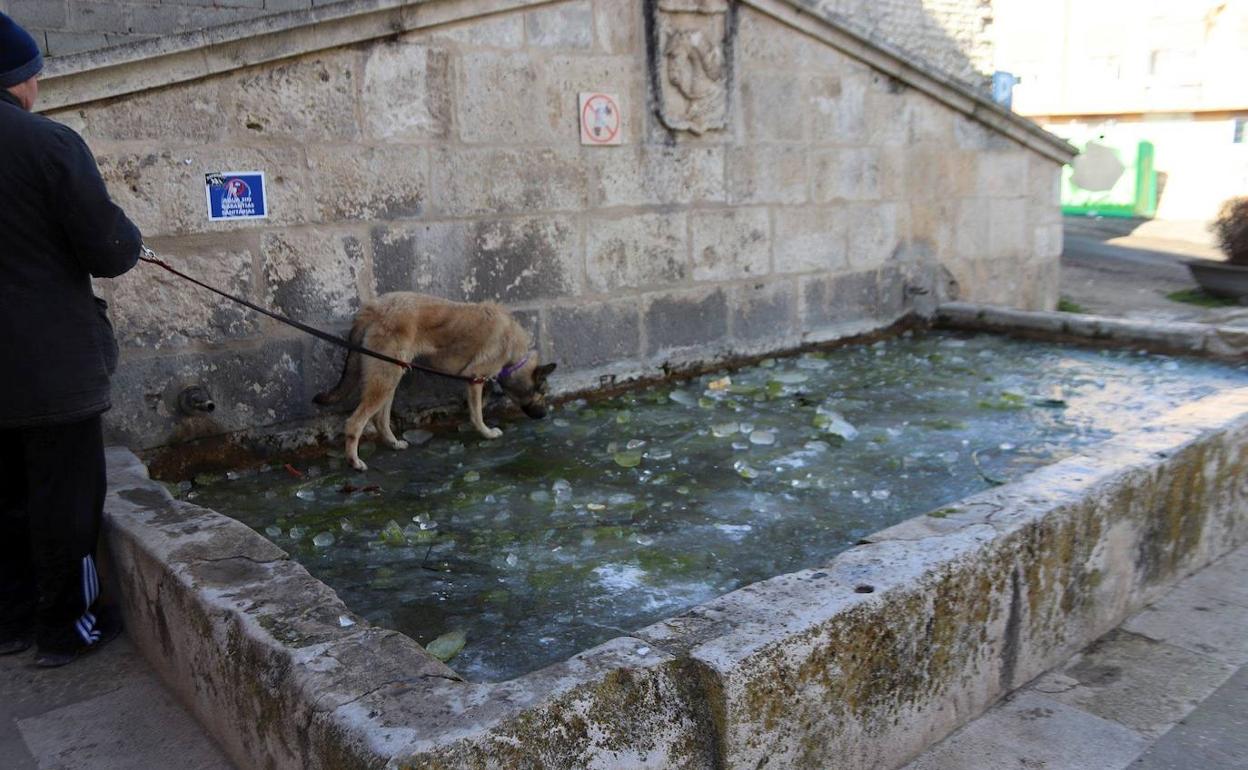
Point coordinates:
[[235, 195]]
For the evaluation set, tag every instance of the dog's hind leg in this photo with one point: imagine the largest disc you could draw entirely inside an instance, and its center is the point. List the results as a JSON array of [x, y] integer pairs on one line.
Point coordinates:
[[382, 421], [378, 390], [474, 411]]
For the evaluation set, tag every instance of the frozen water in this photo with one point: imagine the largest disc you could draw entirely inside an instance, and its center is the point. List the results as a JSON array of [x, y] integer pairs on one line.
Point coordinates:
[[509, 555], [763, 437], [725, 429], [323, 540]]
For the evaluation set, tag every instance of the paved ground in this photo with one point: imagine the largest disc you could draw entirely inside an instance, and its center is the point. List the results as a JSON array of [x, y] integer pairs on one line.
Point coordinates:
[[1166, 690], [106, 711]]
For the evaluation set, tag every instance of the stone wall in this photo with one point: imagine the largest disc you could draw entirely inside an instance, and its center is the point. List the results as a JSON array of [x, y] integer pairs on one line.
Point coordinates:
[[447, 161], [71, 26]]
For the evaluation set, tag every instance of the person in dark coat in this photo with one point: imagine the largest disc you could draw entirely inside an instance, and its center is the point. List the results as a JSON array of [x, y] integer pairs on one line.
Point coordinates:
[[57, 352]]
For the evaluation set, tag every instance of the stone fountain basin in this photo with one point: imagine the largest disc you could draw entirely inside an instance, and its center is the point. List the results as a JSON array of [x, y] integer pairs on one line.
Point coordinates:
[[862, 662]]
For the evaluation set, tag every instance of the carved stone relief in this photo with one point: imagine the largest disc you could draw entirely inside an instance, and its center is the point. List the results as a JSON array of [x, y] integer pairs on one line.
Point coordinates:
[[691, 62]]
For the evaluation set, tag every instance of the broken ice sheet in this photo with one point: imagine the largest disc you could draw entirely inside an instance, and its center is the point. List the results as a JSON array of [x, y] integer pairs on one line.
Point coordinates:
[[725, 429], [323, 540], [416, 437], [833, 422]]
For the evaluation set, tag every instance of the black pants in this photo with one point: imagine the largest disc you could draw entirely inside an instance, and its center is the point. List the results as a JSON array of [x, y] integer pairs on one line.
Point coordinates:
[[52, 485]]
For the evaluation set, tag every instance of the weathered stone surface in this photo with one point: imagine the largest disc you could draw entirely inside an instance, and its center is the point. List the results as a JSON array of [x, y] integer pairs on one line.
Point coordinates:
[[262, 386], [566, 77], [500, 98], [516, 260], [1190, 619], [407, 92], [765, 312], [590, 336], [772, 104], [361, 183], [811, 239], [837, 109], [505, 30], [618, 25], [312, 97], [191, 112], [971, 229], [1007, 228], [626, 176], [1002, 174], [163, 192], [472, 182], [845, 175], [685, 320], [313, 276], [563, 25], [840, 299], [731, 244], [873, 233], [767, 175], [152, 308], [634, 252]]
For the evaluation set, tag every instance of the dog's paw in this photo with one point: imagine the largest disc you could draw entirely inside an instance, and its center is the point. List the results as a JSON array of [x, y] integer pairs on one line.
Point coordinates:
[[358, 464], [399, 445], [491, 433]]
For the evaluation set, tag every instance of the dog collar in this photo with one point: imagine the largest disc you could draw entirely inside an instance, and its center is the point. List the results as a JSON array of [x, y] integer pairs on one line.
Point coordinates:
[[511, 369]]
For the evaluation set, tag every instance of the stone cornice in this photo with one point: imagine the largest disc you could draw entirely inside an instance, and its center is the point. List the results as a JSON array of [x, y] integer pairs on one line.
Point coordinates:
[[95, 75]]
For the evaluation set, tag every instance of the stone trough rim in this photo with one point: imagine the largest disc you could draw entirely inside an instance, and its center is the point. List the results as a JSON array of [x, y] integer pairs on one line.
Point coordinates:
[[364, 734]]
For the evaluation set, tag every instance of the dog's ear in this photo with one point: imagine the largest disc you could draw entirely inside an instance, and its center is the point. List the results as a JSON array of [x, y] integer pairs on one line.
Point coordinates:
[[542, 372]]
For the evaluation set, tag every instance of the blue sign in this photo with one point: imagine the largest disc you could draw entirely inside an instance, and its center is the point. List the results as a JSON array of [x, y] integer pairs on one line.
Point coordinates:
[[1003, 88], [236, 195]]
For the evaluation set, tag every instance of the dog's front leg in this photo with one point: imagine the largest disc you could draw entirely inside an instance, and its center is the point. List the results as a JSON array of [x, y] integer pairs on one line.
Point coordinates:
[[474, 411]]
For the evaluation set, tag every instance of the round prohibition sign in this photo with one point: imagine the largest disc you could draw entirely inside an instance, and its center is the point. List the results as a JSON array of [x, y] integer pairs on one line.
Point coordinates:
[[601, 118]]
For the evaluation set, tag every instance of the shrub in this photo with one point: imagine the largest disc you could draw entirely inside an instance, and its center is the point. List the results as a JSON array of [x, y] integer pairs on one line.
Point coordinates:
[[1231, 228]]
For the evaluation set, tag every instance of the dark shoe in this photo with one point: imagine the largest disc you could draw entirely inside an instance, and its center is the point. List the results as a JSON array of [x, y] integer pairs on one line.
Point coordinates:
[[15, 645], [109, 626]]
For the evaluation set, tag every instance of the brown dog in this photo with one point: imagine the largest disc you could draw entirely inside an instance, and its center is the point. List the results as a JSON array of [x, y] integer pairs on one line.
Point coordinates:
[[472, 340]]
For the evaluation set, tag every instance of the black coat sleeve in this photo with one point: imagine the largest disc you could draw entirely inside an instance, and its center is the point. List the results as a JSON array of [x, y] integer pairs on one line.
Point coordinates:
[[104, 241]]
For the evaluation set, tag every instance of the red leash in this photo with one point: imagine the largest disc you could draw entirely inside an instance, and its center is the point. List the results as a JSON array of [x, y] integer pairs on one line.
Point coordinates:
[[150, 257]]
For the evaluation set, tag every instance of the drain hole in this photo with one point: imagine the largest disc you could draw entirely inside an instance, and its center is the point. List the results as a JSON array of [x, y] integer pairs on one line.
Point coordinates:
[[864, 589]]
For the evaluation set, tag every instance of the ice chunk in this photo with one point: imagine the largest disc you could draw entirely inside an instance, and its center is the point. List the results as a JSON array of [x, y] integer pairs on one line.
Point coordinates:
[[416, 437], [635, 444], [323, 540], [305, 493], [596, 506], [723, 383], [447, 645], [658, 454], [763, 437], [627, 459], [392, 534], [744, 470], [813, 364], [624, 417], [641, 539], [881, 494], [833, 422], [1170, 366], [539, 496], [621, 498], [346, 525], [345, 622], [683, 397], [472, 476], [272, 531], [512, 560], [725, 429], [297, 533]]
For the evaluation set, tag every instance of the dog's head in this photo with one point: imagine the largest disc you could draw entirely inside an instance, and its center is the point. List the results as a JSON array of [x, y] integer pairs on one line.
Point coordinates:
[[527, 387]]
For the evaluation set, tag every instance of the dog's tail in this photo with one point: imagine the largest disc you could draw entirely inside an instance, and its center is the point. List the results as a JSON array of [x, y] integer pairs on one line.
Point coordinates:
[[350, 370]]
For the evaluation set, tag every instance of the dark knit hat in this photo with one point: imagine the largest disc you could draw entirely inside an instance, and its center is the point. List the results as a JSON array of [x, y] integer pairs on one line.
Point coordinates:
[[20, 59]]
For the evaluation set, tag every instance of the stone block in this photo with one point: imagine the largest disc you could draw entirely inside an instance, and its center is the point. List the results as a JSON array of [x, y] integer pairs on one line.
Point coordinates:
[[1189, 618], [407, 92], [589, 336], [355, 183], [313, 97], [1044, 184], [732, 244], [934, 222], [61, 43], [501, 98], [163, 192], [513, 260], [971, 231], [472, 182], [152, 308], [568, 76], [505, 31], [1007, 228], [765, 44], [845, 174], [930, 121], [189, 111], [251, 387], [561, 25], [765, 312], [1003, 174], [811, 239], [767, 174], [839, 299], [874, 233], [655, 175], [888, 111], [1047, 241], [41, 14], [637, 251], [773, 106], [618, 25], [970, 134], [837, 108], [686, 320], [93, 17], [313, 275]]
